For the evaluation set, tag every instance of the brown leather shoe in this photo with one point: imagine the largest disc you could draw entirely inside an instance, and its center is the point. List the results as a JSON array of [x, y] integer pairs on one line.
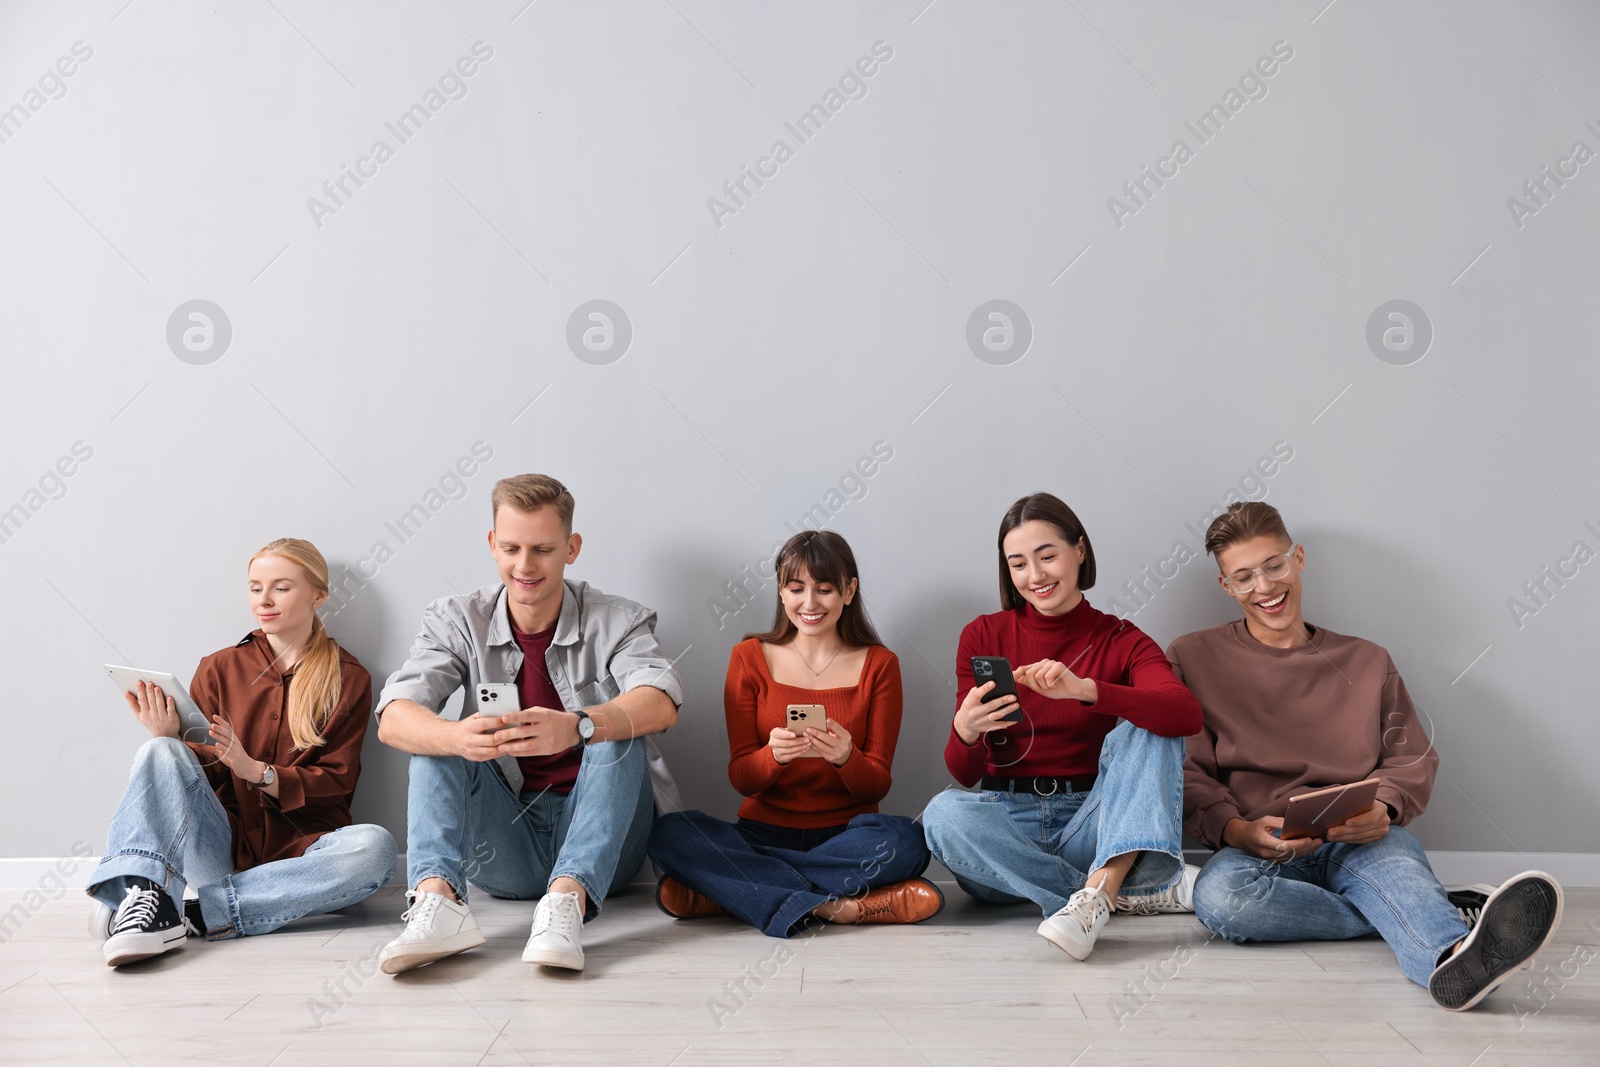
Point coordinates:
[[681, 902], [910, 901]]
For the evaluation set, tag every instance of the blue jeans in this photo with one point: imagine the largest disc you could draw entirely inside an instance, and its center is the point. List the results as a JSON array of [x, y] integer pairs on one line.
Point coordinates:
[[1004, 848], [1335, 892], [171, 828], [464, 824], [773, 876]]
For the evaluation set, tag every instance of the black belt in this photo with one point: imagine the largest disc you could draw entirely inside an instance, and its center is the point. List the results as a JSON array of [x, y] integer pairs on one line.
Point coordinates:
[[1041, 786]]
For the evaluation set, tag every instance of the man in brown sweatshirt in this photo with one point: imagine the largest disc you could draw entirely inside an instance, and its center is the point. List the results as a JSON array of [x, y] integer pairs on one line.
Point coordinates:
[[1290, 708]]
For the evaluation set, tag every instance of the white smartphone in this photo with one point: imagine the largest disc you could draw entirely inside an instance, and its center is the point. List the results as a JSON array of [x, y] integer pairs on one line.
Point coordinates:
[[497, 698], [193, 725]]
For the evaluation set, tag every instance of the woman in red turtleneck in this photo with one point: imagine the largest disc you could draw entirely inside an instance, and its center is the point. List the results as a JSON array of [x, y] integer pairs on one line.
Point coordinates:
[[1081, 802]]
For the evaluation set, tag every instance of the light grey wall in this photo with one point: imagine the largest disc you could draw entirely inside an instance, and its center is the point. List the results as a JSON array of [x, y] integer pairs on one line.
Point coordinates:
[[1175, 341]]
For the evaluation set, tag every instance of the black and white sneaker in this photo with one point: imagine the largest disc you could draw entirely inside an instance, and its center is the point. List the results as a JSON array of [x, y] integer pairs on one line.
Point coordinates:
[[146, 924], [1468, 900], [1516, 921]]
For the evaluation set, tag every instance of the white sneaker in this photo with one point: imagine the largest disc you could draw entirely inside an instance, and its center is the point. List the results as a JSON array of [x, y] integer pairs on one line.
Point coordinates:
[[1179, 900], [1074, 928], [557, 938], [101, 917], [436, 927]]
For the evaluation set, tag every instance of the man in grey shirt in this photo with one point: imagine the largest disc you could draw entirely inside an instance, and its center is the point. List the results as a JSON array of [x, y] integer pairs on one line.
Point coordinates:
[[552, 798]]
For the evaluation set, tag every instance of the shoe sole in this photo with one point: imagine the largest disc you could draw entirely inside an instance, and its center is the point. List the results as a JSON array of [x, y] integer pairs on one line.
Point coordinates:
[[1064, 943], [1518, 920], [123, 949], [422, 953], [554, 958]]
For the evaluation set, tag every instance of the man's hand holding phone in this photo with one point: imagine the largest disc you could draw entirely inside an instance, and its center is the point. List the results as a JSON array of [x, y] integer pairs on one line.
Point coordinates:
[[537, 732], [475, 737]]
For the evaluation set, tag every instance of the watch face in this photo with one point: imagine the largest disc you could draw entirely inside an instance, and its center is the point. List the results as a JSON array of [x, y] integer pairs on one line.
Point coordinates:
[[585, 727]]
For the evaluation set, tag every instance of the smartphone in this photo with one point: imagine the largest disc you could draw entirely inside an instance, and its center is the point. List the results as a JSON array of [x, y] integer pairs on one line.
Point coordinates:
[[801, 717], [996, 669], [498, 698], [1314, 814]]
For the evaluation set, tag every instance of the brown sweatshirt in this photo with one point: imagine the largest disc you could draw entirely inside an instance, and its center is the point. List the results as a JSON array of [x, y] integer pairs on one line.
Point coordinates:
[[1284, 721]]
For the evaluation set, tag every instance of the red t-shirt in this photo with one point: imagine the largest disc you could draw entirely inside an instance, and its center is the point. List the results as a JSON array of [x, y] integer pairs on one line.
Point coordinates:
[[1061, 738], [558, 772]]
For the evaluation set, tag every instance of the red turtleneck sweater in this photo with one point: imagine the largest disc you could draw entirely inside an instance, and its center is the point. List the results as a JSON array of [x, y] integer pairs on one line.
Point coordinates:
[[1061, 738]]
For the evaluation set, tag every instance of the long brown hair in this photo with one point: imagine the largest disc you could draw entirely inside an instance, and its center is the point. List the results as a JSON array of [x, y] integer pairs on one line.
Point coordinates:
[[1044, 507], [318, 679], [825, 556]]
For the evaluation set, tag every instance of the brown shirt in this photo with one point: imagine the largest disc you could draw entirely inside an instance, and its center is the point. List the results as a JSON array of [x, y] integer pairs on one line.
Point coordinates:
[[1284, 721], [245, 687]]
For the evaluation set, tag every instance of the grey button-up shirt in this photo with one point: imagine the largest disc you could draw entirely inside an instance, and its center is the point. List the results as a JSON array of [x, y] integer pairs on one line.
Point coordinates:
[[603, 646]]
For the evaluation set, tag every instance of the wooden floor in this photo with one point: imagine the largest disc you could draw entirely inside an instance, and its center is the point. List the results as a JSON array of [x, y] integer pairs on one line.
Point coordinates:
[[975, 985]]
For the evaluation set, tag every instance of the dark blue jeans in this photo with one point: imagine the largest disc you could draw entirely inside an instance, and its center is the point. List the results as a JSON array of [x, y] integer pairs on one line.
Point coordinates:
[[772, 876]]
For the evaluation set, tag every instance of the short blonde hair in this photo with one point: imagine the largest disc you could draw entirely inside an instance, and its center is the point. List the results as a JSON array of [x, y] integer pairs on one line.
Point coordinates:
[[530, 492]]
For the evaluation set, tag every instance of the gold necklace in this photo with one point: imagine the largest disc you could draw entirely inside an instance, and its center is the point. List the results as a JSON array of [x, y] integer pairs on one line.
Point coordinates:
[[825, 666]]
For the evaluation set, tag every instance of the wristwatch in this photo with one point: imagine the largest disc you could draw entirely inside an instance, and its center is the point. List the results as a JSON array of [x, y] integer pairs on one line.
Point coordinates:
[[268, 776], [585, 727]]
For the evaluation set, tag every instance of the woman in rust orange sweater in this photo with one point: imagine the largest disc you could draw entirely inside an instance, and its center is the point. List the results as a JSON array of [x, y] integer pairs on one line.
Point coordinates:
[[809, 840]]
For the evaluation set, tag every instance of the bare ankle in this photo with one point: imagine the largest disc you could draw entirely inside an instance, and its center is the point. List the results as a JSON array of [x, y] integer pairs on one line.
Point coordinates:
[[570, 885], [437, 885]]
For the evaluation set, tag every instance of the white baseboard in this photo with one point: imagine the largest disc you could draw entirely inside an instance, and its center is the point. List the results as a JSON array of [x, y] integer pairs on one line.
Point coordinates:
[[1576, 869], [50, 874]]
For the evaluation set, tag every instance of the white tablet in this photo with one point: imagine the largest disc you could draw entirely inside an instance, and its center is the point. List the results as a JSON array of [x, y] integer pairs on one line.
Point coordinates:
[[192, 722]]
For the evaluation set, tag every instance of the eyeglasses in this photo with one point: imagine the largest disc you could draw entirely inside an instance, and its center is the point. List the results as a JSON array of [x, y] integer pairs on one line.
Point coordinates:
[[1273, 570]]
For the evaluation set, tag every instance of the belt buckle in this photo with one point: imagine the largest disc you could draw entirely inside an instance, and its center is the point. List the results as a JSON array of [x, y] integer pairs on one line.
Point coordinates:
[[1054, 787]]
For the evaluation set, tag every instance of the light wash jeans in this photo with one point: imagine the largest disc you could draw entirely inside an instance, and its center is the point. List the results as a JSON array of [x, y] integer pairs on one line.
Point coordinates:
[[171, 828], [1384, 887], [464, 824], [1005, 848]]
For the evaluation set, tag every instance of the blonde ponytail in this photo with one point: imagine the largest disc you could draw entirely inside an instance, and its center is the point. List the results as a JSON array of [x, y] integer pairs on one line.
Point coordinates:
[[318, 678]]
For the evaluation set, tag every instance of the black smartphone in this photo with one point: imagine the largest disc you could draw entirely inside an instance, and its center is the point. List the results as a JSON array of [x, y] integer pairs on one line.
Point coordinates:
[[996, 669]]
